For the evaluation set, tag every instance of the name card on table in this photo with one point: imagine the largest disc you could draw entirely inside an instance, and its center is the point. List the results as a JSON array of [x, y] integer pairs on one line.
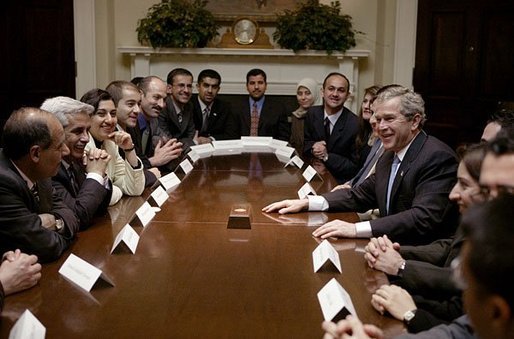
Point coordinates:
[[227, 147], [169, 181], [127, 236], [82, 273], [257, 144], [193, 156], [159, 195], [309, 173], [296, 161], [145, 213], [275, 144], [203, 151], [335, 302], [186, 166], [27, 326], [305, 190], [284, 153], [324, 253]]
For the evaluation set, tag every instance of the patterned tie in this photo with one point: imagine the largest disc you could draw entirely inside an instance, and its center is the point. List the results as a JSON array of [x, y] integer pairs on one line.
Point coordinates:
[[205, 115], [73, 181], [327, 129], [254, 127], [392, 175], [35, 192], [179, 116]]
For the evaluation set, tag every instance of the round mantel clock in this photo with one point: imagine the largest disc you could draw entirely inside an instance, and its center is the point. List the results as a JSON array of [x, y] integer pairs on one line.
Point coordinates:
[[245, 31]]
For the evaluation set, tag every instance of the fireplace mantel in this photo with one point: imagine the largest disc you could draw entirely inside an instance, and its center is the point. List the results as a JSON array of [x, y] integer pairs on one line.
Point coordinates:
[[283, 67]]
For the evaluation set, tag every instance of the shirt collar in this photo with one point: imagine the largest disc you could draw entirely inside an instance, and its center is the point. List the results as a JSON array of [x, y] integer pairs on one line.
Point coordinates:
[[29, 182], [403, 151], [333, 118], [259, 102]]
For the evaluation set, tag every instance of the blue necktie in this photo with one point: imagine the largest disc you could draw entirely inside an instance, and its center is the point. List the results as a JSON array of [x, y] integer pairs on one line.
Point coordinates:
[[394, 169]]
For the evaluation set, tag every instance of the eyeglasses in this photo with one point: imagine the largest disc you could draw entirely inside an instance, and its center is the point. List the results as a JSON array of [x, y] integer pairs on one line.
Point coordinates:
[[500, 190], [457, 276]]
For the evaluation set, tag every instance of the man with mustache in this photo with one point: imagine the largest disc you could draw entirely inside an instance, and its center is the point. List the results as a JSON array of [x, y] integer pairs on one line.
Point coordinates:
[[81, 181]]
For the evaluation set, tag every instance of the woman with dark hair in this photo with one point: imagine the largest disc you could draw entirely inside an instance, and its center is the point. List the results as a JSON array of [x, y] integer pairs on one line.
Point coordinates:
[[126, 175], [429, 296]]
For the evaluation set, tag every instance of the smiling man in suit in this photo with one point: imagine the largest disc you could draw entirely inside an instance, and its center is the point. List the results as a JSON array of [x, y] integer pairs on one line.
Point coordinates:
[[81, 181], [411, 184], [213, 117], [33, 218], [176, 119], [260, 115], [330, 130]]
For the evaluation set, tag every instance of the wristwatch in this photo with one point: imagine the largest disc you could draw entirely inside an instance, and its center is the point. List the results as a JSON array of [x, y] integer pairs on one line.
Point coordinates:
[[408, 316], [401, 269]]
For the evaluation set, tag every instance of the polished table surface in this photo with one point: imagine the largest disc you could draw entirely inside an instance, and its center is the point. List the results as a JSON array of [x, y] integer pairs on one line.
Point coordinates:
[[193, 277]]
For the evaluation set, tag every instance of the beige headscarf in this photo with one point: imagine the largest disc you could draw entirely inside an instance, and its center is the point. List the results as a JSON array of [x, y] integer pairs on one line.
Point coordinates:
[[313, 87]]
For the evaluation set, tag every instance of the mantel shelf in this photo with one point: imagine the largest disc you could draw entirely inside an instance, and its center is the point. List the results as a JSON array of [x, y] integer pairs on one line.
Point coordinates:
[[252, 52], [283, 66]]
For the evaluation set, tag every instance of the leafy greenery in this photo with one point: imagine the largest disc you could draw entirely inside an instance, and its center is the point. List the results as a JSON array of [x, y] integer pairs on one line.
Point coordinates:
[[315, 26], [177, 23]]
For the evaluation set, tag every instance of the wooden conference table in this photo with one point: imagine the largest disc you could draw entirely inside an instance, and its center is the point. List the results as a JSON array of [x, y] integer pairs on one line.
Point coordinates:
[[193, 277]]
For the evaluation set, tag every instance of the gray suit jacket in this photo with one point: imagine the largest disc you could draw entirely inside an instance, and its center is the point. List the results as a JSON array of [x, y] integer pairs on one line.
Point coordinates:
[[420, 210], [20, 225]]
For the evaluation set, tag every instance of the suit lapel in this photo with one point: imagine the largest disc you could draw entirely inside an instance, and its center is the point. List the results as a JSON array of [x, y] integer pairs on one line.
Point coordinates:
[[408, 159], [319, 123], [338, 127]]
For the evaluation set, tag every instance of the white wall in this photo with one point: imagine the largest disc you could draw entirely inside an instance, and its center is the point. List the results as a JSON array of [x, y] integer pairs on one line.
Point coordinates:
[[116, 21]]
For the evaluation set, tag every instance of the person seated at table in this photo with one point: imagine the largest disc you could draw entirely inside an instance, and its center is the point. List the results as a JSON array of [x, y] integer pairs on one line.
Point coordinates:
[[127, 99], [410, 185], [483, 270], [424, 271], [127, 175], [33, 218], [330, 130], [213, 117], [81, 181], [18, 271], [308, 94], [502, 118]]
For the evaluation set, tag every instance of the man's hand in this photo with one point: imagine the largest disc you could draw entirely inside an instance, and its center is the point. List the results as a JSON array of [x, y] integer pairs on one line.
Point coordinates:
[[165, 151], [319, 149], [287, 206], [48, 221], [20, 273], [96, 161], [351, 327], [345, 186], [393, 299], [336, 228], [388, 261]]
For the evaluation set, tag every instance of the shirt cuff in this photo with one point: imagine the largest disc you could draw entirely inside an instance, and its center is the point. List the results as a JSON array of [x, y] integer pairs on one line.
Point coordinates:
[[317, 203], [363, 229], [96, 177]]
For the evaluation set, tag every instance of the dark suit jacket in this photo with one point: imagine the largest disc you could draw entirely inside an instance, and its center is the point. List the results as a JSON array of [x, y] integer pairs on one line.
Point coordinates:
[[92, 197], [170, 127], [420, 210], [221, 123], [20, 225], [272, 121], [427, 270], [342, 159]]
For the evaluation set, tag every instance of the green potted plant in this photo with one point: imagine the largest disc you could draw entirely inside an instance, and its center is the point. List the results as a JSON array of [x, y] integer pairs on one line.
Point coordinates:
[[315, 26], [177, 23]]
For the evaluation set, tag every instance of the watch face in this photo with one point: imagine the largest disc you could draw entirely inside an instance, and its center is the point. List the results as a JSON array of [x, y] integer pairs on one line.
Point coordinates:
[[245, 31]]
